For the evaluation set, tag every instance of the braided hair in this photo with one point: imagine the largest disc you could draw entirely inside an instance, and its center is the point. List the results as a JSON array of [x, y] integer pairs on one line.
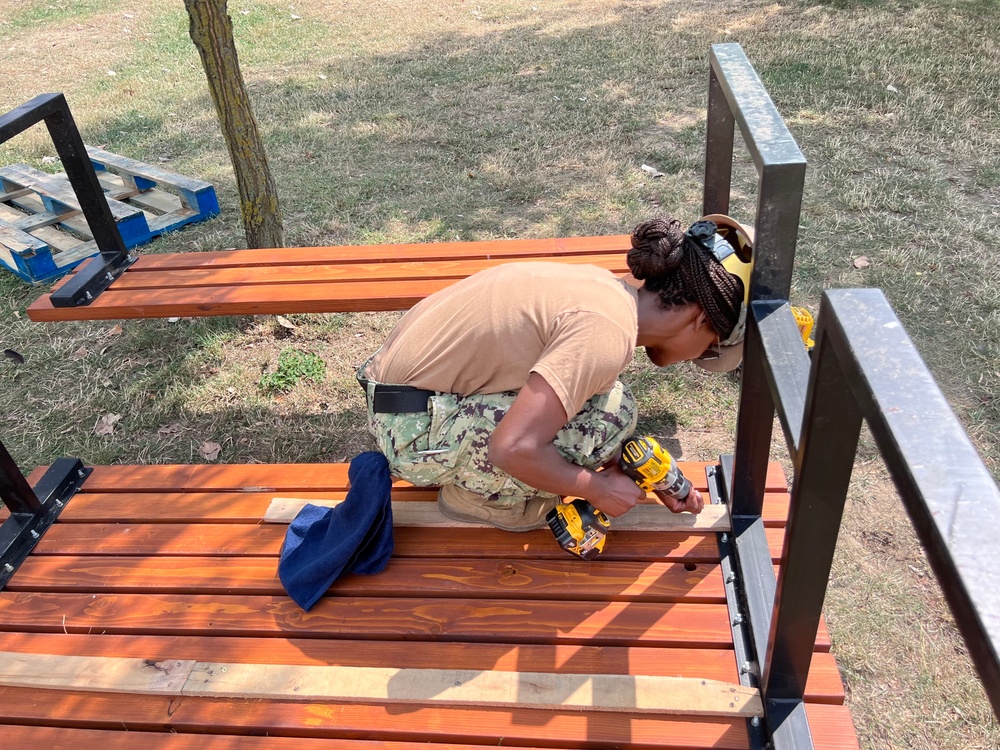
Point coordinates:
[[680, 270]]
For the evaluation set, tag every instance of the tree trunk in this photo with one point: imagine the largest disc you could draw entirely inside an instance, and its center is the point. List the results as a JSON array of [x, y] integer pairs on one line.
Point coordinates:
[[212, 33]]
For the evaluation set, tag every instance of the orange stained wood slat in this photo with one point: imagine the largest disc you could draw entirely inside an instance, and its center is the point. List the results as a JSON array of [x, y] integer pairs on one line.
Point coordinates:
[[832, 726], [457, 577], [164, 562], [335, 279], [385, 272], [265, 539], [288, 478], [556, 248], [66, 738]]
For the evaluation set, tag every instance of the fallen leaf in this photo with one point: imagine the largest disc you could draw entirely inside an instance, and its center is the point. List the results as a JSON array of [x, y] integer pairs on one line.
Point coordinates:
[[892, 89], [861, 262], [16, 356], [173, 320], [170, 429], [210, 450], [284, 322], [116, 331], [652, 171], [106, 424], [80, 353]]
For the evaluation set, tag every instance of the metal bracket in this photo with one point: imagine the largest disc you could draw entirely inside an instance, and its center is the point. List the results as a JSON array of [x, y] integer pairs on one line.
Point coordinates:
[[97, 274], [32, 511]]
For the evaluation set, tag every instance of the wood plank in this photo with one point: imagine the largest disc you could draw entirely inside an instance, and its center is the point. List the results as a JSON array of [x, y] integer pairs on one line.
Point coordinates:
[[507, 620], [554, 248], [716, 664], [642, 517], [19, 241], [485, 726], [289, 477], [831, 727], [65, 738], [159, 202], [167, 539], [59, 189], [388, 273], [823, 685], [251, 507], [149, 171], [632, 694], [565, 579]]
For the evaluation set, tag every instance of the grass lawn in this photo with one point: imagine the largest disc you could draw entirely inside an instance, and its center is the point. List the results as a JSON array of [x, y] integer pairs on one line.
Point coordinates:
[[450, 119]]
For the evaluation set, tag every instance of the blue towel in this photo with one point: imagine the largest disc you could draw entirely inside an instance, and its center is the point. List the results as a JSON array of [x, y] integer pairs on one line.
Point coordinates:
[[355, 536]]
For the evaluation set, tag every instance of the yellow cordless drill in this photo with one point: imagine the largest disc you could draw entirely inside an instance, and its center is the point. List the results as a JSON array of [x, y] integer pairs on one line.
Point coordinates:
[[581, 529]]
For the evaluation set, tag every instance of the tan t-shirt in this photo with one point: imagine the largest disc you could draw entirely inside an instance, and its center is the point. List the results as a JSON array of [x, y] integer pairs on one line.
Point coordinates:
[[576, 326]]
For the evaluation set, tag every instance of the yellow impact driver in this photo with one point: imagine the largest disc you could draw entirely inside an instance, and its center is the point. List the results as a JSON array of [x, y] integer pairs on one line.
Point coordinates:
[[582, 530]]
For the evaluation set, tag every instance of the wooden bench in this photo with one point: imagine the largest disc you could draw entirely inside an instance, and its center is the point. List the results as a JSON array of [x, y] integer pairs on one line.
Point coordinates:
[[152, 565], [314, 279]]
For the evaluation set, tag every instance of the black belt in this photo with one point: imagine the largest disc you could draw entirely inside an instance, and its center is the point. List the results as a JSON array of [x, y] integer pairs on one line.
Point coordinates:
[[398, 399]]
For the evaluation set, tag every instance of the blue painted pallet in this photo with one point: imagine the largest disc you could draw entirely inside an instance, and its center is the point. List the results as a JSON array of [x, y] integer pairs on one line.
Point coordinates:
[[43, 234]]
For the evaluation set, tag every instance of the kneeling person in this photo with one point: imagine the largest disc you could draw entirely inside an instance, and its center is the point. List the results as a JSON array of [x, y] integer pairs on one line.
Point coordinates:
[[503, 388]]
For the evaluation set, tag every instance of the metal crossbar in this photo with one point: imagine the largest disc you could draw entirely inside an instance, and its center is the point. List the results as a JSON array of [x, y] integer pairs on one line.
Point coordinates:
[[865, 368]]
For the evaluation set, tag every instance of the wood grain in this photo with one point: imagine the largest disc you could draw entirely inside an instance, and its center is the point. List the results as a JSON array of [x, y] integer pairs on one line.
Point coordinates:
[[714, 518], [638, 694], [178, 539], [565, 579], [824, 684]]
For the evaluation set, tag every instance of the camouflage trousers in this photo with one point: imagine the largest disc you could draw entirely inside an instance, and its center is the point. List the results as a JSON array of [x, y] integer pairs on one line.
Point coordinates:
[[448, 443]]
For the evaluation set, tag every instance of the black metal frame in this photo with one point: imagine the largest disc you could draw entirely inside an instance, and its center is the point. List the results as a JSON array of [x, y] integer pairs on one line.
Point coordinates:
[[864, 368], [32, 510], [97, 274]]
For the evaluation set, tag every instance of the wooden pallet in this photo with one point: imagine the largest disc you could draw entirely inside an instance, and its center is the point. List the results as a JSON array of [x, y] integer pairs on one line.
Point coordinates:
[[43, 234], [153, 567]]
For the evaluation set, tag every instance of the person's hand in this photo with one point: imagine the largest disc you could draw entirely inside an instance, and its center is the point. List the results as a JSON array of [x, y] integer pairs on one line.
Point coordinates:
[[693, 503], [616, 492]]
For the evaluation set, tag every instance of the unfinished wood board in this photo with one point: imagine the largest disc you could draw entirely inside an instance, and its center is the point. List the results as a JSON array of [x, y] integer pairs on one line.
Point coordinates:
[[641, 517], [634, 694], [823, 685]]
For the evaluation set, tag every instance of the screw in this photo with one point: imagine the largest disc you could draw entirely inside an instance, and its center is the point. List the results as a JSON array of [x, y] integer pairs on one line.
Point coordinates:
[[8, 567], [81, 473], [59, 503], [746, 668], [738, 619], [34, 534], [108, 276], [88, 295], [731, 577], [725, 538], [755, 721]]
